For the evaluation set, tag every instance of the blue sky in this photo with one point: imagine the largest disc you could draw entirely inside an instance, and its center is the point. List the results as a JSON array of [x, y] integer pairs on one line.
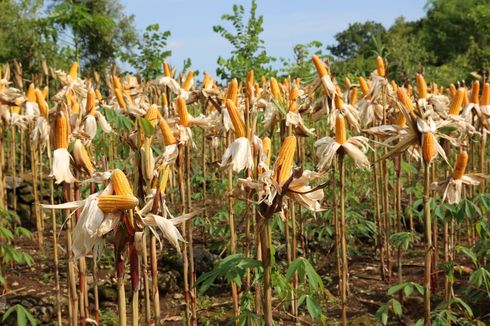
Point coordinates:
[[286, 23]]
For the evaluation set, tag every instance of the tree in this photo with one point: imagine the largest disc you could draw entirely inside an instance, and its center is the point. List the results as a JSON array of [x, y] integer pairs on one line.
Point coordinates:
[[406, 53], [357, 39], [249, 52], [301, 66], [151, 52], [25, 35], [98, 31]]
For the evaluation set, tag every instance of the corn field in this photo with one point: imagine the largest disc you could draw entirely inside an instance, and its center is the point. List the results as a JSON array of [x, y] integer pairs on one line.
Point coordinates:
[[290, 184]]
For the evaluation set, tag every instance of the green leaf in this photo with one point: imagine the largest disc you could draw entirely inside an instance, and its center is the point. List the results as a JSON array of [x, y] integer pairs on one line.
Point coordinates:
[[313, 307], [397, 307], [148, 129]]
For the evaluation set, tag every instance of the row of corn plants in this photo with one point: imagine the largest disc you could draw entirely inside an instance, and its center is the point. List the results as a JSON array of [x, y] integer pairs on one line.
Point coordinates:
[[120, 157]]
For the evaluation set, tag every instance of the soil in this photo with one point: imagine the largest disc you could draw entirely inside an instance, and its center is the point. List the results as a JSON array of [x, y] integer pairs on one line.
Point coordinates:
[[34, 287]]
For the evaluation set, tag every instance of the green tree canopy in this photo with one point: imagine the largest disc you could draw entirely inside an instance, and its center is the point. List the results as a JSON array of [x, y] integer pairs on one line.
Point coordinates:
[[248, 48]]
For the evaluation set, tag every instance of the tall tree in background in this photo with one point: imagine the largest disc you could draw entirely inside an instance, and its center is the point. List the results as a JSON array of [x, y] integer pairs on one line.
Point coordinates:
[[25, 35], [151, 52], [248, 48], [98, 31]]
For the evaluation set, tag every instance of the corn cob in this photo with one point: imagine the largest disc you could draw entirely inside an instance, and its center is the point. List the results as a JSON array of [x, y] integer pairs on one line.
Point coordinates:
[[153, 115], [421, 86], [340, 132], [116, 203], [275, 90], [466, 99], [347, 82], [232, 93], [400, 119], [41, 103], [120, 99], [353, 96], [236, 119], [429, 150], [16, 109], [120, 183], [456, 102], [45, 92], [475, 91], [81, 157], [116, 83], [206, 81], [485, 95], [293, 107], [98, 95], [404, 99], [320, 67], [409, 90], [168, 136], [267, 148], [31, 93], [380, 66], [284, 162], [164, 100], [394, 85], [364, 87], [61, 131], [90, 106], [165, 174], [338, 101], [166, 70], [460, 166], [293, 96], [434, 89], [452, 90], [182, 111], [74, 70], [188, 81], [250, 77]]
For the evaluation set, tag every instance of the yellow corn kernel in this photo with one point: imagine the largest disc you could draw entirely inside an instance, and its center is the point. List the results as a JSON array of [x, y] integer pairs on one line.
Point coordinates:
[[31, 93], [434, 89], [116, 83], [16, 109], [74, 70], [267, 148], [404, 99], [394, 85], [188, 81], [340, 132], [364, 87], [120, 99], [429, 150], [152, 115], [236, 119], [485, 95], [206, 81], [61, 131], [41, 103], [338, 101], [232, 93], [166, 70], [165, 174], [120, 183], [250, 77], [353, 96], [409, 90], [475, 91], [400, 119], [98, 95], [421, 86], [284, 162], [275, 90], [460, 166], [320, 66], [116, 203], [182, 111], [452, 90], [90, 106], [81, 157], [456, 102], [347, 82], [380, 66], [164, 100], [168, 136], [466, 99]]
